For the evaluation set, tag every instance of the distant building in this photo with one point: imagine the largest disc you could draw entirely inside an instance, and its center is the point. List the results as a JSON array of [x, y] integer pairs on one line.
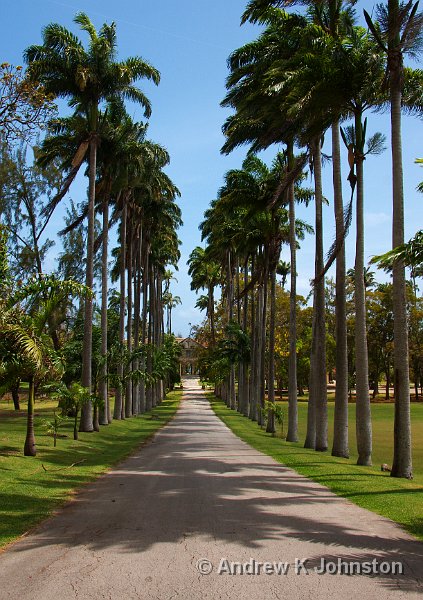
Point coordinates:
[[189, 356]]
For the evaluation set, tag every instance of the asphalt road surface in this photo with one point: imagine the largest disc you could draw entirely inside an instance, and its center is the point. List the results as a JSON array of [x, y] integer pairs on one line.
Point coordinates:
[[197, 498]]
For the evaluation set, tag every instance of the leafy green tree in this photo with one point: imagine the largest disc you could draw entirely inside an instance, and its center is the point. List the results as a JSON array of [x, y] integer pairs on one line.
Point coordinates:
[[380, 322], [25, 106], [26, 349], [26, 353], [27, 189]]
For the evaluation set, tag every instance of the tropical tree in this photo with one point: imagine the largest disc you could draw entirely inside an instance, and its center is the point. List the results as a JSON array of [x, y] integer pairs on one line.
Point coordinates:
[[86, 77], [26, 188], [398, 31], [283, 269], [25, 106], [205, 274], [26, 349], [260, 121]]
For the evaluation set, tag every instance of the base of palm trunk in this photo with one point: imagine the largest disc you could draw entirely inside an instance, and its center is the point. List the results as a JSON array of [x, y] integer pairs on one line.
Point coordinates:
[[405, 474], [30, 448], [341, 453], [364, 461]]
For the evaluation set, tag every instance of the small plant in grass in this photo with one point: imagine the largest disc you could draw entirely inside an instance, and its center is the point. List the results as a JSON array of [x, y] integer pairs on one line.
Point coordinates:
[[53, 426], [71, 400], [278, 413]]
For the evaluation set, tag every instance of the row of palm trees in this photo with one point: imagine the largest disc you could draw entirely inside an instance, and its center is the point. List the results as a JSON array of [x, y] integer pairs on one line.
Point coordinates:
[[304, 75], [129, 188]]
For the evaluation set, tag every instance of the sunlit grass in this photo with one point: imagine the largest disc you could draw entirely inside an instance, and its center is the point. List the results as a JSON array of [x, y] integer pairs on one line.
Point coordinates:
[[398, 499], [31, 488]]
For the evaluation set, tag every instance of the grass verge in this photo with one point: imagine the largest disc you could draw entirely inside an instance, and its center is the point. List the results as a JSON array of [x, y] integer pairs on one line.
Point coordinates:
[[31, 488], [398, 499]]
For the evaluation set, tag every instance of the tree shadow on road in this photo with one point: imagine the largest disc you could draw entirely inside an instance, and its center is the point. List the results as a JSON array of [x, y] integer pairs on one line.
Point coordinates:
[[191, 481]]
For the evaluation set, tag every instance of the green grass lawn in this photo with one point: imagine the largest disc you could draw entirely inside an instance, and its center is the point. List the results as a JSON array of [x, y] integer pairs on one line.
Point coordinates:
[[398, 499], [31, 488]]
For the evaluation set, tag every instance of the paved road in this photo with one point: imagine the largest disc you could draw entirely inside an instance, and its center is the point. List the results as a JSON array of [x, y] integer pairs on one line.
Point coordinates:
[[198, 492]]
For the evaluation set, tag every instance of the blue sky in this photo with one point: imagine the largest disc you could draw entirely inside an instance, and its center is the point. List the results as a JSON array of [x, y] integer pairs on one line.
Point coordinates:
[[189, 42]]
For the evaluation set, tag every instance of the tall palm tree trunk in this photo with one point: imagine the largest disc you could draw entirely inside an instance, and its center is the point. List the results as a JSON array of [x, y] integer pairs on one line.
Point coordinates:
[[137, 319], [105, 415], [211, 314], [363, 414], [14, 390], [402, 460], [292, 435], [149, 390], [253, 370], [319, 379], [271, 372], [238, 313], [30, 448], [340, 426], [231, 381], [86, 423], [244, 394], [117, 414], [144, 327], [128, 394], [262, 353], [310, 441], [255, 377], [158, 332]]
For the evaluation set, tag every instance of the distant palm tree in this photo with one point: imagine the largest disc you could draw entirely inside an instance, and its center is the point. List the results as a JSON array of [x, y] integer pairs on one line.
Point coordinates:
[[283, 269], [170, 302], [205, 274]]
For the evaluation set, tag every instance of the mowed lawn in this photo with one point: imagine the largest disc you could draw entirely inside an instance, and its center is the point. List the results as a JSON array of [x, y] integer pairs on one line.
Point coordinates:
[[32, 487], [398, 499]]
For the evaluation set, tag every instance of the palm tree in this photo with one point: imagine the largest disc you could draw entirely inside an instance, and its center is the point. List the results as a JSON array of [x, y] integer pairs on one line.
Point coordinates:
[[283, 269], [398, 32], [170, 302], [86, 78], [117, 136], [322, 86], [25, 347], [205, 274], [259, 120], [146, 195]]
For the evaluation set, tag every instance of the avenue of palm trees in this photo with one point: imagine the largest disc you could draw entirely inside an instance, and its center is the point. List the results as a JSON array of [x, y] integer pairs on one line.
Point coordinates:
[[308, 74], [57, 331]]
